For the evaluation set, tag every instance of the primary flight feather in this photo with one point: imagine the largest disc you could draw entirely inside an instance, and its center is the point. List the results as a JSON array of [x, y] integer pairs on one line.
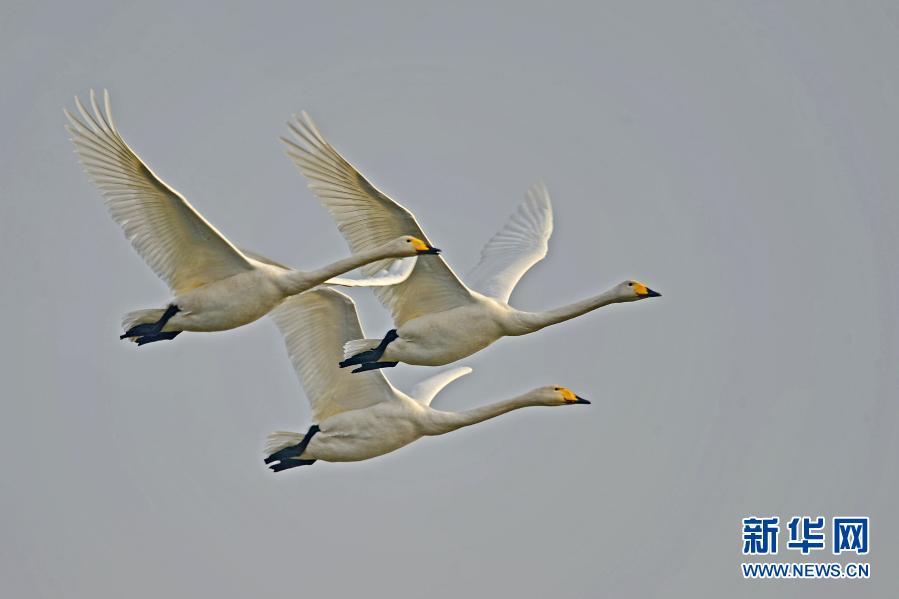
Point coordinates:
[[215, 285]]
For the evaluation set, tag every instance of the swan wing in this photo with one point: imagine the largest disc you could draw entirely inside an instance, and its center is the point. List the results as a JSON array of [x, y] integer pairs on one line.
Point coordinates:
[[264, 259], [426, 390], [368, 218], [520, 244], [181, 247], [394, 272], [315, 325]]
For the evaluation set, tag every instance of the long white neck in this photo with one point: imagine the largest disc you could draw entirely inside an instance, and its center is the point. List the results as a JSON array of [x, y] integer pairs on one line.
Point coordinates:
[[528, 322], [298, 281], [439, 422]]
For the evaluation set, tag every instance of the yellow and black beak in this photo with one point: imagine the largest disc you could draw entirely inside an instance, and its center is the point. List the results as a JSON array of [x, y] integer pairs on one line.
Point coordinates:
[[571, 398], [644, 291], [422, 248]]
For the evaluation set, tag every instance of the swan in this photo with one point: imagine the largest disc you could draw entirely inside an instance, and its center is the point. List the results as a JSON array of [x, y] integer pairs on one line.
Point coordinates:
[[216, 286], [363, 416], [438, 318]]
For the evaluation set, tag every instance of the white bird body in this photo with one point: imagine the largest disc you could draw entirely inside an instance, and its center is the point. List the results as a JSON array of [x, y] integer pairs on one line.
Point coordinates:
[[385, 427], [229, 303], [369, 432], [444, 337], [364, 416], [235, 301], [216, 286], [439, 319]]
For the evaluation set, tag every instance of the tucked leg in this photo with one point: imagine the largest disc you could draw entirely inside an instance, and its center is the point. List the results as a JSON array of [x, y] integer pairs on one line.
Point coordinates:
[[150, 329], [372, 355], [289, 456]]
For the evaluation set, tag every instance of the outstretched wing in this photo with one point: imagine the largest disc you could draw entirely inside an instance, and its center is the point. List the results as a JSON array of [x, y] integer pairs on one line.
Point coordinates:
[[264, 259], [426, 390], [396, 271], [172, 238], [315, 325], [519, 245], [368, 218]]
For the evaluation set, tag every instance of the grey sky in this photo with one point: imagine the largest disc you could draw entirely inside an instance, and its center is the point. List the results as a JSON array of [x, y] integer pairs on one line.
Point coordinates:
[[738, 157]]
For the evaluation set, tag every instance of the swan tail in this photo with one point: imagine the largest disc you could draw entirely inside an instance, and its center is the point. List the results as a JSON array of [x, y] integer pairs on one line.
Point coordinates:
[[278, 440], [357, 346]]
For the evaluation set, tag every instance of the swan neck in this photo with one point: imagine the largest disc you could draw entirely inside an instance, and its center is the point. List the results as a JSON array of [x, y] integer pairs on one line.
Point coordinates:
[[298, 281], [444, 422], [534, 321]]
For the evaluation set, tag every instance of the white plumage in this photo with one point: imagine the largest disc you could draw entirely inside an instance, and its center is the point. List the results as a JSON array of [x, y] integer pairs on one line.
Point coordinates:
[[314, 330], [520, 244], [439, 319], [215, 285], [364, 416]]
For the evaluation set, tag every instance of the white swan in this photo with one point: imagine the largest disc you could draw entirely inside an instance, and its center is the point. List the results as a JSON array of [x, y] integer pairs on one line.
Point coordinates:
[[439, 319], [215, 285], [361, 417]]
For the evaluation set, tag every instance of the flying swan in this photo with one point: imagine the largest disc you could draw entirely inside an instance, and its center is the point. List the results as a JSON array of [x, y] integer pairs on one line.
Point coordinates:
[[216, 286], [361, 417], [439, 319]]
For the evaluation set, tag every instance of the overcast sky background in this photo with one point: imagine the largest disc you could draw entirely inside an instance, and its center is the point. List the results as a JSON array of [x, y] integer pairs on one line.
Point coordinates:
[[738, 157]]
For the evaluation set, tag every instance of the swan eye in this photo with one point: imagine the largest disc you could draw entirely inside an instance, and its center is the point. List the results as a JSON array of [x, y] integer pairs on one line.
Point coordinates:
[[557, 389], [630, 284]]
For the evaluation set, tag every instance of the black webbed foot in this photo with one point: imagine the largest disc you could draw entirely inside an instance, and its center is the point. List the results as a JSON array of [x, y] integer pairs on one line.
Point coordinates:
[[287, 464], [149, 332], [157, 337], [374, 366], [288, 453], [289, 457], [361, 358], [141, 330]]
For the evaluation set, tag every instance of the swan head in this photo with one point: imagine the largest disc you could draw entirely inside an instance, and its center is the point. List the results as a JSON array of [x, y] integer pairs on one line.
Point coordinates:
[[555, 395], [407, 245], [631, 291]]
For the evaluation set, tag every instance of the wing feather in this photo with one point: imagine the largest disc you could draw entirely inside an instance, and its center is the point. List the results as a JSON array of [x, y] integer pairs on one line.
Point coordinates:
[[427, 389], [396, 271], [368, 218], [315, 325], [178, 244], [521, 243]]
